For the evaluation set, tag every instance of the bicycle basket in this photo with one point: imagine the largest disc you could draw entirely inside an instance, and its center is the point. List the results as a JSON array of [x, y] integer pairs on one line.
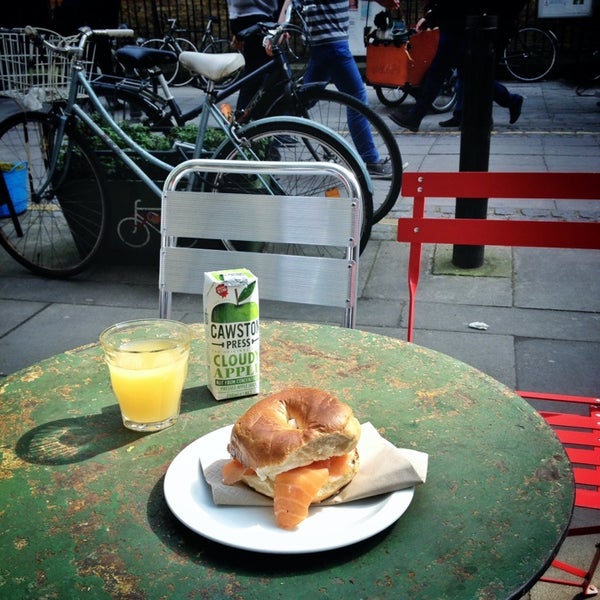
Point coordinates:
[[389, 64], [29, 69]]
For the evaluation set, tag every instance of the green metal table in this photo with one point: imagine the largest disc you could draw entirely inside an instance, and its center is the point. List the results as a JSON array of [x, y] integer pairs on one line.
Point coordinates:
[[82, 510]]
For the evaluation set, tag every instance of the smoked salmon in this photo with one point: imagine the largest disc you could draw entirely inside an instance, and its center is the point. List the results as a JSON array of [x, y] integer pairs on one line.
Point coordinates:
[[294, 491], [233, 471], [336, 465]]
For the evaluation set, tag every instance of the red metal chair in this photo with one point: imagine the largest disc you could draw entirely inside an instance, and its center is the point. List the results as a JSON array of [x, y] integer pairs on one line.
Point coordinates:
[[577, 426], [418, 229], [578, 430]]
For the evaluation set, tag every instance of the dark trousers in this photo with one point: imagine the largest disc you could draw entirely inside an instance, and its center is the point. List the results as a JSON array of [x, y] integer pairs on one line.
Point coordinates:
[[254, 55], [449, 56]]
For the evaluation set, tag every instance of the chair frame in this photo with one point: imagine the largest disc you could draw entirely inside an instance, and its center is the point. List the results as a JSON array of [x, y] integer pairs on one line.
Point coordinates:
[[419, 229], [324, 221], [581, 430], [577, 426]]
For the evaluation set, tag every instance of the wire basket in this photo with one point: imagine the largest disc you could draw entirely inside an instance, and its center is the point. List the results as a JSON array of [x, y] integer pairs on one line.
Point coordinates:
[[29, 69]]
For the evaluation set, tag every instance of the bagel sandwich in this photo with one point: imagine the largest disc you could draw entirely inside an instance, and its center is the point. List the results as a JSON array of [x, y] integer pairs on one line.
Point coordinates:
[[297, 446]]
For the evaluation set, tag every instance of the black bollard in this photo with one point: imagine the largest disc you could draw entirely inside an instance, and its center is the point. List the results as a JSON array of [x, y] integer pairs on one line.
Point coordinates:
[[478, 81]]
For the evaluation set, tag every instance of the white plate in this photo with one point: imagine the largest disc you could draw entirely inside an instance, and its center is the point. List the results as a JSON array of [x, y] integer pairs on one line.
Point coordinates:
[[253, 527]]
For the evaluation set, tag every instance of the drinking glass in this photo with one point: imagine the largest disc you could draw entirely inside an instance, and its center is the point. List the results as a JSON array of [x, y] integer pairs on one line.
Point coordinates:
[[147, 360]]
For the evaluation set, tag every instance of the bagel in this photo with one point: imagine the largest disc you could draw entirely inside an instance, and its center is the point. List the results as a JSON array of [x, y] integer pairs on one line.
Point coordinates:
[[295, 432]]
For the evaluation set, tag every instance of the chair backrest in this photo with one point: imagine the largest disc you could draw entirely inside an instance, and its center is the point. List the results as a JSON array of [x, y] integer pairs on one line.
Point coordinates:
[[495, 232], [263, 218], [420, 228]]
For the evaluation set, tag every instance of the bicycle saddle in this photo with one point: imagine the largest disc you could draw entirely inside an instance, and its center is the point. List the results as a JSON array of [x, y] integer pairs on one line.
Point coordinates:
[[136, 57], [213, 67]]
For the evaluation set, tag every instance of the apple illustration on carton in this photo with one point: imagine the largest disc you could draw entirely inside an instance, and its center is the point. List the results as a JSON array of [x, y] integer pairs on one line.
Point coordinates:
[[230, 312]]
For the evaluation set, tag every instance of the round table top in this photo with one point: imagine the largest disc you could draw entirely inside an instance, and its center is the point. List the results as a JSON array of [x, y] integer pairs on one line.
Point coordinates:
[[83, 506]]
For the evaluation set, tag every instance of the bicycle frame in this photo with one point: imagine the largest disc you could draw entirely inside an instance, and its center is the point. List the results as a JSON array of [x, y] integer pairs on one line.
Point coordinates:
[[206, 110], [207, 35], [278, 92], [69, 211], [268, 94]]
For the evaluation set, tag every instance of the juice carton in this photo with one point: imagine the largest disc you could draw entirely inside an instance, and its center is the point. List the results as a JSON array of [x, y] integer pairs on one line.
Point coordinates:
[[232, 333]]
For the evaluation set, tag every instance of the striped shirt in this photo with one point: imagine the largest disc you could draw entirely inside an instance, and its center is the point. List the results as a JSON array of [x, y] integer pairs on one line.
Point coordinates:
[[327, 20]]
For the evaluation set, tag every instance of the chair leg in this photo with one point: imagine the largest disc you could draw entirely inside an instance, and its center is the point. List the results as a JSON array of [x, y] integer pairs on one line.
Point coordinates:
[[587, 588], [414, 271]]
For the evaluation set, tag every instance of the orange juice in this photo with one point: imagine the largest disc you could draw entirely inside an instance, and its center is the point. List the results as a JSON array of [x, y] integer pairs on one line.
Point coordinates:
[[147, 377], [147, 360]]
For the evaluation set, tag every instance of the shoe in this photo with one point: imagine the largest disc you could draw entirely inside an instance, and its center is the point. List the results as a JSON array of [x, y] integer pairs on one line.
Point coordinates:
[[451, 122], [406, 120], [514, 108], [380, 170]]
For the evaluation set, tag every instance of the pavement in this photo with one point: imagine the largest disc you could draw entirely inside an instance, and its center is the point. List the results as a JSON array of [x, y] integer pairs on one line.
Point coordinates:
[[542, 307]]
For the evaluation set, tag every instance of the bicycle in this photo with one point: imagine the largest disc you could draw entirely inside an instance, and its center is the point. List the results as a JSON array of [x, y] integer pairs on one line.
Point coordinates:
[[530, 54], [279, 93], [134, 231], [410, 52], [64, 224], [174, 73]]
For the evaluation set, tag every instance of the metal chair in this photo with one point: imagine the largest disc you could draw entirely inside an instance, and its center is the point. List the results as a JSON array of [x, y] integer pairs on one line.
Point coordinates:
[[422, 229], [576, 422], [309, 221], [579, 433]]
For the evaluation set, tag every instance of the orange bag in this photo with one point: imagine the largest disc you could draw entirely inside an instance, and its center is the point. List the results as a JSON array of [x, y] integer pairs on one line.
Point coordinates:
[[391, 65]]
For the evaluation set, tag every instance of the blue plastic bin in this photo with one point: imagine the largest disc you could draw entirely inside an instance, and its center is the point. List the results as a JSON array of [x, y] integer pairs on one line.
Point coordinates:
[[15, 177]]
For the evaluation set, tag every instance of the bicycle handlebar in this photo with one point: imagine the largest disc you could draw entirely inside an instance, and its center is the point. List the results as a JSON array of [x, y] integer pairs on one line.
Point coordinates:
[[86, 33], [116, 33], [272, 31]]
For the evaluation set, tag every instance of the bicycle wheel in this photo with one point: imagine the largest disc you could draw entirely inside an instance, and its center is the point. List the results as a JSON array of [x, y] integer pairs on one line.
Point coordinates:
[[133, 232], [182, 75], [331, 108], [390, 96], [64, 223], [296, 140], [446, 99], [218, 47], [530, 55]]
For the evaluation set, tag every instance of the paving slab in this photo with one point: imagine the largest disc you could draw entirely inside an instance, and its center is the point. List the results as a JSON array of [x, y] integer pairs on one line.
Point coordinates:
[[558, 366], [572, 279], [15, 313]]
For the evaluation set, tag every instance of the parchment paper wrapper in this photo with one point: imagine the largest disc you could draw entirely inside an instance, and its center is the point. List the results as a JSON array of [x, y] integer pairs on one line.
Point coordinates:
[[383, 468]]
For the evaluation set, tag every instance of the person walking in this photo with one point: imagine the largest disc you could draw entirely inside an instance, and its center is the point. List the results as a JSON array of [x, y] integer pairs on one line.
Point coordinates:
[[507, 12], [244, 14], [450, 16], [331, 60], [502, 97]]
